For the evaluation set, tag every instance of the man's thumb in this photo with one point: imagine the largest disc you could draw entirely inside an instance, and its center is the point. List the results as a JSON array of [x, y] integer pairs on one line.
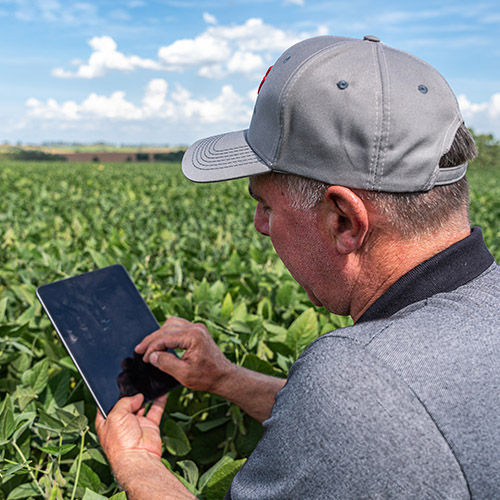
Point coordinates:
[[166, 362]]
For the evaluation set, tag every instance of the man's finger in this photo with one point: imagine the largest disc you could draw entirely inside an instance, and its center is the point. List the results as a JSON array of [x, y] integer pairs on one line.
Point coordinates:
[[175, 320], [171, 322], [99, 421], [144, 343], [156, 410], [168, 363], [177, 339], [127, 405], [172, 332]]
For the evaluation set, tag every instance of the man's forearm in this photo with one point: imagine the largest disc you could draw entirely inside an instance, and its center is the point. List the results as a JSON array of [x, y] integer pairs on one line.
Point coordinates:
[[143, 477], [253, 392]]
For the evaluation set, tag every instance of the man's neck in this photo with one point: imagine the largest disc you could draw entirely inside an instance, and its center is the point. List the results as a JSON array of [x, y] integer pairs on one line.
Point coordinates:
[[389, 259]]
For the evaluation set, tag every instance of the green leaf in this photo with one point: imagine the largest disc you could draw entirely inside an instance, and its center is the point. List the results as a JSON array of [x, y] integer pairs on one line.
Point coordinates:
[[119, 496], [92, 495], [180, 416], [50, 422], [8, 385], [176, 440], [233, 266], [88, 478], [208, 425], [284, 295], [94, 454], [279, 347], [38, 376], [76, 424], [57, 394], [23, 360], [190, 471], [25, 292], [219, 482], [201, 292], [217, 291], [10, 471], [58, 450], [99, 259], [21, 429], [283, 362], [28, 315], [24, 491], [240, 312], [227, 306], [210, 472], [3, 308], [24, 396], [67, 362], [7, 425], [302, 331], [253, 362], [278, 332]]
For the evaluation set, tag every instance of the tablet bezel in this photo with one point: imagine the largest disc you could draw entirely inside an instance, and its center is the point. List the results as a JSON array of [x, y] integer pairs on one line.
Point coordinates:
[[46, 307]]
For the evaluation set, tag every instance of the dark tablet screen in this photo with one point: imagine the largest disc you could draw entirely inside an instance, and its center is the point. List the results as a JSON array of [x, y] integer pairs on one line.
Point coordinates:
[[100, 317]]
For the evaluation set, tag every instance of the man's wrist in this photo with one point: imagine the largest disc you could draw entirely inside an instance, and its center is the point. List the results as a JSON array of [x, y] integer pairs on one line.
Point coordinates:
[[142, 475], [130, 465], [222, 385]]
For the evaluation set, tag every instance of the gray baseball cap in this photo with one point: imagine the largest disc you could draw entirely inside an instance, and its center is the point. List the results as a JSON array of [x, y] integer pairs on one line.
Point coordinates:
[[356, 113]]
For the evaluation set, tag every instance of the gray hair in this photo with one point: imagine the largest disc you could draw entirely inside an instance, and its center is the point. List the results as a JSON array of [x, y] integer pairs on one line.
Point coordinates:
[[408, 214]]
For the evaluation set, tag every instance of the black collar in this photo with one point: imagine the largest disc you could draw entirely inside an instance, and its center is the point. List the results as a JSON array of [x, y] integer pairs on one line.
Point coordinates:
[[446, 271]]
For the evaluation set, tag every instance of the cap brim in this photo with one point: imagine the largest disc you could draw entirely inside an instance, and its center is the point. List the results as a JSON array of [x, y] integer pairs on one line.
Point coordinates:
[[222, 157]]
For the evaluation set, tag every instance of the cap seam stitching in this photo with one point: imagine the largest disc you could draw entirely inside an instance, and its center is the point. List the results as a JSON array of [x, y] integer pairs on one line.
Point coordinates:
[[372, 168], [387, 94], [287, 88], [204, 145]]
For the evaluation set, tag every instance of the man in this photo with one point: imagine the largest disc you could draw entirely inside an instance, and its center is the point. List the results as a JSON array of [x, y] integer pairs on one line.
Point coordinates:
[[356, 155]]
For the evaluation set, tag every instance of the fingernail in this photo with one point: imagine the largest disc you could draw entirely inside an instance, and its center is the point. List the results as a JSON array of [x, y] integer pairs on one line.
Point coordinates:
[[153, 358]]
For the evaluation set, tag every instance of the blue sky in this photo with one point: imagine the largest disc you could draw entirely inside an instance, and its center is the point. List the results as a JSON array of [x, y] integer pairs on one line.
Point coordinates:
[[172, 71]]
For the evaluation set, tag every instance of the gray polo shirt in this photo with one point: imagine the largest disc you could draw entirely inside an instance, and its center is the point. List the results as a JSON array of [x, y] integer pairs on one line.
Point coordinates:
[[404, 404]]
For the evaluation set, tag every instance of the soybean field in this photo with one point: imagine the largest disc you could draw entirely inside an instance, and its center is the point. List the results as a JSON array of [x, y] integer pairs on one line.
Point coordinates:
[[192, 252]]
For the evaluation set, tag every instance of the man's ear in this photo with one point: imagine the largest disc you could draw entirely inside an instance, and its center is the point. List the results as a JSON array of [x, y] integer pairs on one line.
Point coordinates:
[[348, 219]]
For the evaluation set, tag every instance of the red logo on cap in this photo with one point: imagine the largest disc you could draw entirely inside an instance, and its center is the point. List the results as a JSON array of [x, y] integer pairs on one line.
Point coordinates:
[[264, 79]]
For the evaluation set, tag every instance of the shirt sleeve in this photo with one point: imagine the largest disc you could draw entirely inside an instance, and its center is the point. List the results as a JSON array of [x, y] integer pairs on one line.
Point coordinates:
[[345, 426]]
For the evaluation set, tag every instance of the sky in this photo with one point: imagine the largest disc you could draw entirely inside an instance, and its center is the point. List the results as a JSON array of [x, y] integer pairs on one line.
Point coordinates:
[[172, 71]]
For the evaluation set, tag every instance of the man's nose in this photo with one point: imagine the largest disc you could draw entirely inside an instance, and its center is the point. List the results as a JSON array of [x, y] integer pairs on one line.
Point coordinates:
[[261, 220]]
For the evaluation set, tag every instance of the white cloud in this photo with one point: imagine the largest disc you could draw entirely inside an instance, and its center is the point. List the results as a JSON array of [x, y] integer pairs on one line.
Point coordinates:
[[245, 62], [482, 116], [221, 50], [294, 2], [105, 57], [227, 108], [204, 49], [248, 49], [209, 18]]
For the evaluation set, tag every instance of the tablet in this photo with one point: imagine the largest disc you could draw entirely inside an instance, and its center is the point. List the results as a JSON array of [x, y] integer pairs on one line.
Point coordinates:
[[100, 317]]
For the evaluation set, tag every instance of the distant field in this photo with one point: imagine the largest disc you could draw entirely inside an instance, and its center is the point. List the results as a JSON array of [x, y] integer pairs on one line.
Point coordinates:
[[92, 148], [193, 252]]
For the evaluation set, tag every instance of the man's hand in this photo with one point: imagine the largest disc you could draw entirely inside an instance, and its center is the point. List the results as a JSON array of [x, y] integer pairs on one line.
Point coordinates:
[[127, 431], [202, 367], [132, 443]]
